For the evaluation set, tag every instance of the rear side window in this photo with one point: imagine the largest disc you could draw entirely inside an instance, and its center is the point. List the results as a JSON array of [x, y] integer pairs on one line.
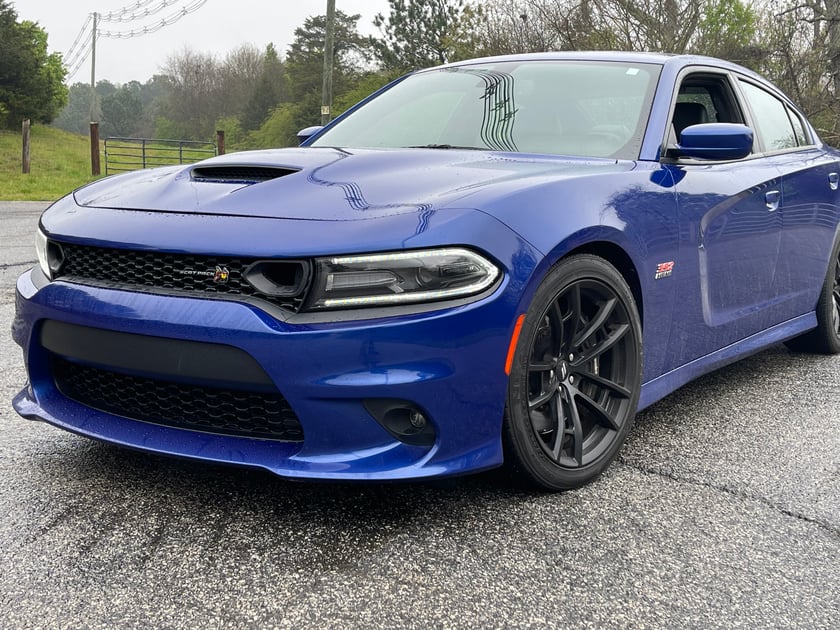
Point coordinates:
[[798, 128], [773, 125]]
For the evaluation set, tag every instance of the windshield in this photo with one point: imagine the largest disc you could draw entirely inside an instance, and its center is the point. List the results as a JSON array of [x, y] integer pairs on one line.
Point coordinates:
[[582, 108]]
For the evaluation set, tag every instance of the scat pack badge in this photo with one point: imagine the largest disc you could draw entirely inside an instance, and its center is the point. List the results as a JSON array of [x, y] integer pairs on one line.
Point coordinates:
[[221, 275], [664, 270]]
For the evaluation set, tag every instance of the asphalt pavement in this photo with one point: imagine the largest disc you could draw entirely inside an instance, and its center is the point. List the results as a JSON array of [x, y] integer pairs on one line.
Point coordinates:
[[722, 511]]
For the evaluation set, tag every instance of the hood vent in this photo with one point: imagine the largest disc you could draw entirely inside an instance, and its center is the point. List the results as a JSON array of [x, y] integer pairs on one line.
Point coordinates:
[[238, 174]]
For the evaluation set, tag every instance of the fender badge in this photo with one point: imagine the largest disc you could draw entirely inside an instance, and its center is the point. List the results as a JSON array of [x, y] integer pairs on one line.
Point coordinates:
[[664, 270]]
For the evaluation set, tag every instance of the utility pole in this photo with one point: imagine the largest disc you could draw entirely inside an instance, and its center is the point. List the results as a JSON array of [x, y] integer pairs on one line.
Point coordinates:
[[329, 45], [93, 115], [94, 124]]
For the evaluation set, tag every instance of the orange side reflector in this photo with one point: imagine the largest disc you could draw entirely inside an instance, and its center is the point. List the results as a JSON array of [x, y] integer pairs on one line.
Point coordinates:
[[513, 339]]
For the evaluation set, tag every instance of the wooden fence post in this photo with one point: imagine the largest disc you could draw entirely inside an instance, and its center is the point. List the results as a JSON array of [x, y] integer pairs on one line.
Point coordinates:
[[95, 167], [220, 142], [26, 161]]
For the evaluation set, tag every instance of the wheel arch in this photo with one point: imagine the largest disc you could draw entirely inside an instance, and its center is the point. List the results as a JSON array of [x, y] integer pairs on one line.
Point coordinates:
[[621, 260]]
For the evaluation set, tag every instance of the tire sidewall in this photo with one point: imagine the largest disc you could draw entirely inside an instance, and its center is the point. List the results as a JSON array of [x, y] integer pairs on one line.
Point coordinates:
[[523, 445], [825, 305]]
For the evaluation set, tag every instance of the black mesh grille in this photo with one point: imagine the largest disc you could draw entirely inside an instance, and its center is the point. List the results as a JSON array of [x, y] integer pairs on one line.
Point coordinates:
[[209, 409], [178, 273]]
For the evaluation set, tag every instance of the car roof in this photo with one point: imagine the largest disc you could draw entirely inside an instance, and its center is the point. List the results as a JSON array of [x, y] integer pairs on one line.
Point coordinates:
[[662, 59]]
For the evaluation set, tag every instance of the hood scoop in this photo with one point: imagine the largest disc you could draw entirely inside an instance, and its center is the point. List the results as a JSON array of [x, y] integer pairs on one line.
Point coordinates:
[[231, 174]]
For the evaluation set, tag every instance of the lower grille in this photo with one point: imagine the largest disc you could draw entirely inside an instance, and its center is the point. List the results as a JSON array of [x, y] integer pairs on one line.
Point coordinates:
[[184, 406]]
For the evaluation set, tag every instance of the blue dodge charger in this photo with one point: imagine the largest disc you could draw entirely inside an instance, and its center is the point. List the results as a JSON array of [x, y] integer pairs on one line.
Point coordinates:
[[494, 261]]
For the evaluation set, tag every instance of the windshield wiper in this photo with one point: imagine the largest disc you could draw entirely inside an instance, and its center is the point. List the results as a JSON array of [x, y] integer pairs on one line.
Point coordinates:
[[445, 146]]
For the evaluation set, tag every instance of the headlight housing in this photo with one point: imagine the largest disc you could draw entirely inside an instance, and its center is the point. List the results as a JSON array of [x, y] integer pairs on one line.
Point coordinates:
[[50, 255], [41, 250], [393, 278]]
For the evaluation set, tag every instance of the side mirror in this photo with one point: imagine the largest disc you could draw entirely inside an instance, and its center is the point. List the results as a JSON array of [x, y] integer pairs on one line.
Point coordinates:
[[304, 134], [715, 141]]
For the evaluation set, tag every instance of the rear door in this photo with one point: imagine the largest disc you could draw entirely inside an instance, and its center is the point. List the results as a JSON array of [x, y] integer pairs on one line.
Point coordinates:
[[809, 201]]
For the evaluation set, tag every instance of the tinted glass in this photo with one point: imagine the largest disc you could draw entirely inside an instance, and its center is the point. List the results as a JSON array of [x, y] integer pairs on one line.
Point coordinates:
[[774, 126], [592, 109]]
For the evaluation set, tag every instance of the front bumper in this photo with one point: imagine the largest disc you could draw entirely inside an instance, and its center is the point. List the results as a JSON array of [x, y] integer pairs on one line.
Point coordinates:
[[449, 363]]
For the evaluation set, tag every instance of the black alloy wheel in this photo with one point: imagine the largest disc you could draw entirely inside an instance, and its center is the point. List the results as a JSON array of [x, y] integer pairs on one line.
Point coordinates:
[[575, 379], [825, 338]]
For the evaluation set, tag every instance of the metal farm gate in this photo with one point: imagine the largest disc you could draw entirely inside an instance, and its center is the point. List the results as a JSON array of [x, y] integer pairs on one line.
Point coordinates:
[[130, 154]]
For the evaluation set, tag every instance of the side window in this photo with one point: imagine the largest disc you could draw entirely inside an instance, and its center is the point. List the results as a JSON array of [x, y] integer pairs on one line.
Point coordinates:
[[773, 124], [704, 98], [798, 128]]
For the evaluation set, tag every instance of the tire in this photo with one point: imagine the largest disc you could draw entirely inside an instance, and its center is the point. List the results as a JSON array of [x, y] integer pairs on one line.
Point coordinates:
[[575, 376], [825, 338]]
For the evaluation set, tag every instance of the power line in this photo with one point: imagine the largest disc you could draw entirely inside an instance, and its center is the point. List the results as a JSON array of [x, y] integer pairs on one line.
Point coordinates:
[[81, 49], [72, 48], [154, 28], [71, 72], [139, 11]]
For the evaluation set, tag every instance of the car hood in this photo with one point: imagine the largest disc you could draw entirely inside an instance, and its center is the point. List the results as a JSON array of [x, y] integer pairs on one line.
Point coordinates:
[[332, 184]]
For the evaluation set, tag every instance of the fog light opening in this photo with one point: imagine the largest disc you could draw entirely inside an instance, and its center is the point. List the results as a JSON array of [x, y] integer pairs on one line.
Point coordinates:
[[402, 419], [417, 419]]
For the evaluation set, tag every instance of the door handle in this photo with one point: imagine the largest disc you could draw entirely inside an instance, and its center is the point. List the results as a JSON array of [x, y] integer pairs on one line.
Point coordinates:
[[771, 199], [834, 181]]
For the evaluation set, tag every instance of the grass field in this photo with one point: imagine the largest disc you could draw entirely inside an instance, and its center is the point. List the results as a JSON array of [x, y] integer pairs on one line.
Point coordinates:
[[60, 162]]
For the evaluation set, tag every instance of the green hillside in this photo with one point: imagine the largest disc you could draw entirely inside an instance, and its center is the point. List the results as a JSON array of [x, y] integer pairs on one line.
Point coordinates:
[[60, 162]]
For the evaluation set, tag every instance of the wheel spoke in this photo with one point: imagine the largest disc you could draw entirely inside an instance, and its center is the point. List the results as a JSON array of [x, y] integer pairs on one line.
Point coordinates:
[[542, 366], [560, 432], [543, 398], [575, 315], [613, 338], [558, 326], [602, 415], [604, 311], [578, 429], [614, 387]]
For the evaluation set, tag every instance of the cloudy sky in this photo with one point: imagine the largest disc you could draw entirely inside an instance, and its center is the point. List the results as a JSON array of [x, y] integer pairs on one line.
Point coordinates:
[[216, 26]]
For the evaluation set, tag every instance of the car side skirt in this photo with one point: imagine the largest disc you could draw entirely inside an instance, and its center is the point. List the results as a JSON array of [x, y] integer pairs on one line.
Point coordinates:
[[656, 389]]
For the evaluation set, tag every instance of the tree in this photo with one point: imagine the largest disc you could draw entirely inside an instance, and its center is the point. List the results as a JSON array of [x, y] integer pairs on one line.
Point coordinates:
[[727, 29], [417, 33], [75, 117], [305, 57], [122, 110], [305, 65], [239, 73], [31, 79], [268, 93], [800, 51], [192, 105]]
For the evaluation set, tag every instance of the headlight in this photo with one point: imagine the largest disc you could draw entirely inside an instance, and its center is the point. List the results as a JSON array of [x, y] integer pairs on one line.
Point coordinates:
[[400, 278], [50, 255]]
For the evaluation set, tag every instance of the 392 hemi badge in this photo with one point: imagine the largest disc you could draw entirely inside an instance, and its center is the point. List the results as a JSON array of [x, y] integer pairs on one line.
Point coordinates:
[[219, 275], [664, 270]]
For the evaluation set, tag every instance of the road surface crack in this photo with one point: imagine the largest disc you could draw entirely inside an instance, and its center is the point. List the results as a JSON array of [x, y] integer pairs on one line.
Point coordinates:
[[4, 266], [832, 529]]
